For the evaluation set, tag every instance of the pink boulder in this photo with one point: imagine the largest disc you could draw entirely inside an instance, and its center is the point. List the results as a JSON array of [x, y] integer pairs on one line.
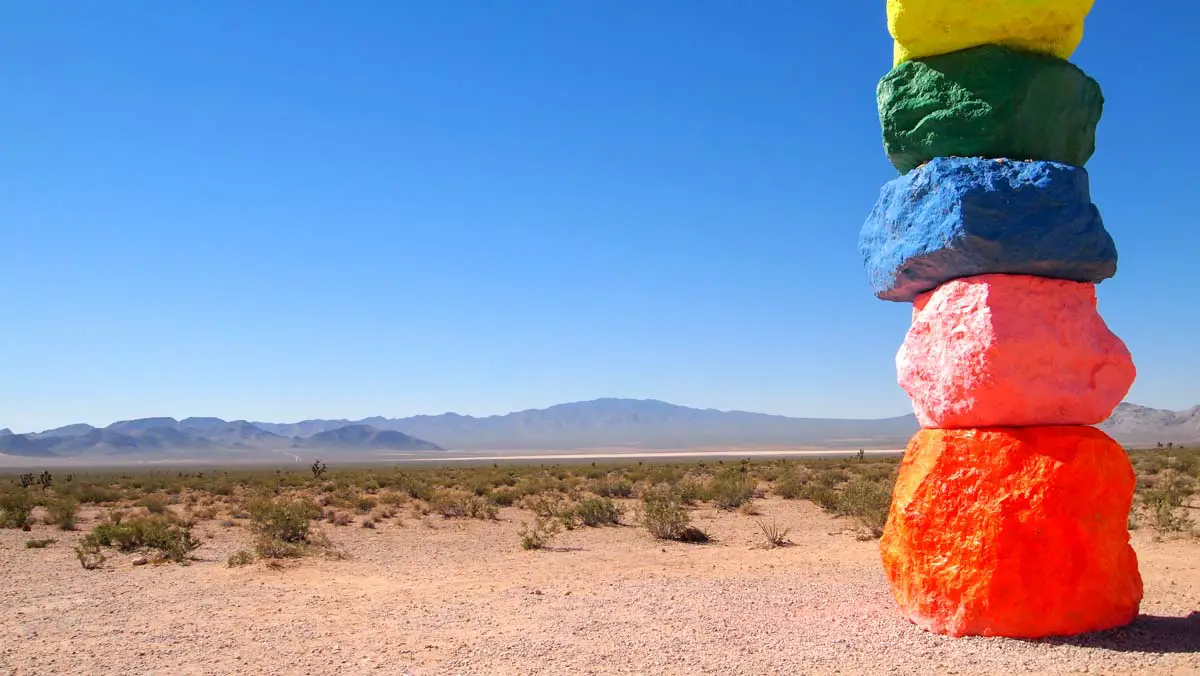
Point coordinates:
[[1011, 351]]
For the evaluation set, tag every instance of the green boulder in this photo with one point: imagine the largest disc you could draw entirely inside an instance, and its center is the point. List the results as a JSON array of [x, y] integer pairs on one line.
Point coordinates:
[[990, 102]]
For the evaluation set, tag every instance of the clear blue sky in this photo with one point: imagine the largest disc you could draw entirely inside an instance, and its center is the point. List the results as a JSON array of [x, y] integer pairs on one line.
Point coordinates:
[[281, 210]]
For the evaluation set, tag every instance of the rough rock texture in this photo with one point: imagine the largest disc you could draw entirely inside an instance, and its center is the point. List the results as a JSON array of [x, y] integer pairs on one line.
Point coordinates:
[[930, 27], [998, 350], [989, 101], [959, 217], [1017, 532]]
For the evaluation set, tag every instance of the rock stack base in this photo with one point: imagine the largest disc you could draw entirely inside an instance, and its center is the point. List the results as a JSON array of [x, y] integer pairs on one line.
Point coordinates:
[[1016, 532]]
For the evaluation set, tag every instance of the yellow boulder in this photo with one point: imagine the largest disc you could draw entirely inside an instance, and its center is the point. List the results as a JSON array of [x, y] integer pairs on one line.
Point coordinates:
[[930, 27]]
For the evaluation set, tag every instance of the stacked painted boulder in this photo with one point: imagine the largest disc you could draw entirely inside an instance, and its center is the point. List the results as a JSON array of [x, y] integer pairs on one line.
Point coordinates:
[[1009, 516]]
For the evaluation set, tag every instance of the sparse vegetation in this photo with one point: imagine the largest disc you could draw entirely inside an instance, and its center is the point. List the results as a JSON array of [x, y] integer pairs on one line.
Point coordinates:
[[89, 554], [539, 534], [279, 506], [457, 504], [867, 502], [666, 517], [154, 503], [776, 535], [598, 512], [40, 543], [170, 539], [241, 557], [15, 507], [63, 511], [732, 488]]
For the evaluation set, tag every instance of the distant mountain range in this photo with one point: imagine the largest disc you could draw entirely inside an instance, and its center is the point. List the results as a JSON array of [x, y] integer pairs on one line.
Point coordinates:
[[196, 439], [1133, 424], [601, 423]]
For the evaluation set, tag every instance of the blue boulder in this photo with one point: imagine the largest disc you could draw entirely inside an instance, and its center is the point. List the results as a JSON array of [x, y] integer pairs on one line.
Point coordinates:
[[964, 216]]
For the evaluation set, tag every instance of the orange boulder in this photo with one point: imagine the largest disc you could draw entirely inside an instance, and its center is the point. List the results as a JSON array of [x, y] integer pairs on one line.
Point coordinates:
[[1018, 532]]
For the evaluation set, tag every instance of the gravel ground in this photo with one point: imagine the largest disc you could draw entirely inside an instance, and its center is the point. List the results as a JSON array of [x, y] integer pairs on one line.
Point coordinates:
[[434, 596]]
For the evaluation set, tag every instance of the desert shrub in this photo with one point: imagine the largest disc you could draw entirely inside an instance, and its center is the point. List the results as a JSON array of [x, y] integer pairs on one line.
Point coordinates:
[[207, 513], [91, 493], [597, 512], [172, 541], [393, 499], [502, 497], [790, 485], [666, 517], [731, 489], [823, 496], [15, 506], [612, 486], [455, 504], [539, 534], [241, 557], [155, 503], [64, 511], [1165, 502], [416, 488], [867, 502], [368, 522], [692, 489], [282, 519], [364, 504], [831, 477], [39, 544], [89, 554], [545, 506], [877, 471], [278, 549], [775, 535]]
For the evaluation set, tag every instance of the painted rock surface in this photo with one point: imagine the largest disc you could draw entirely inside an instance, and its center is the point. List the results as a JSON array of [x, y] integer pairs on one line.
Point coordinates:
[[989, 101], [960, 217], [930, 27], [1000, 350], [1016, 532]]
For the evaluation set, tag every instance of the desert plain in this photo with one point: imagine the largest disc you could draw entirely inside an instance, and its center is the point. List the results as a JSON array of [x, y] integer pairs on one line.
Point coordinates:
[[494, 570]]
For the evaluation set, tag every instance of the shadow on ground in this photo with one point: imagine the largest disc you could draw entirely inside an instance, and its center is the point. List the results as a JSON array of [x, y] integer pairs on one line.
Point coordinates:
[[1146, 634]]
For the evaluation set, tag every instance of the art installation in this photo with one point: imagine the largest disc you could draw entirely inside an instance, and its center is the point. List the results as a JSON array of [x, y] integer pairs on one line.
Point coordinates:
[[1009, 515]]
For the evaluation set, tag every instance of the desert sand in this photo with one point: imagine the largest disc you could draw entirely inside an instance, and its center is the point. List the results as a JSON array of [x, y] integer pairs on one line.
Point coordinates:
[[438, 596]]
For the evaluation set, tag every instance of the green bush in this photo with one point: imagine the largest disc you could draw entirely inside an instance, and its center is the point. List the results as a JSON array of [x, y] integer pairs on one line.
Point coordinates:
[[173, 541], [691, 489], [612, 486], [240, 558], [666, 517], [97, 494], [824, 497], [539, 534], [1166, 501], [15, 506], [502, 497], [867, 502], [454, 504], [598, 512], [155, 503], [732, 489], [790, 486], [282, 519], [64, 511]]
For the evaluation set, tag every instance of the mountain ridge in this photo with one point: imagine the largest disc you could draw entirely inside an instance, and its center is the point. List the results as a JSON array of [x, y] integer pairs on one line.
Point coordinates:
[[598, 423]]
